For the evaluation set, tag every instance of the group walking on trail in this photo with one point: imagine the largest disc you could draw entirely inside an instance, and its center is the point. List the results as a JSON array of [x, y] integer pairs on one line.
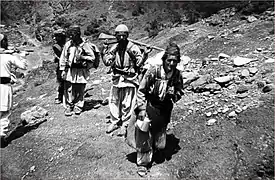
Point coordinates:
[[141, 97]]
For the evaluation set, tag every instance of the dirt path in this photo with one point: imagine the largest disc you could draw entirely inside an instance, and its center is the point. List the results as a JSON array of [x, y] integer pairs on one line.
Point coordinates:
[[77, 147]]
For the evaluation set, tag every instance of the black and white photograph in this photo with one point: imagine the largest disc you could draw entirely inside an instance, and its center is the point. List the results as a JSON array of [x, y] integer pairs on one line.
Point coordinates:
[[136, 89]]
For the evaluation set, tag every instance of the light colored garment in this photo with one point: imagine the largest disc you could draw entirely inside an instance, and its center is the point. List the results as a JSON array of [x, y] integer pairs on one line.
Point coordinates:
[[70, 54], [122, 104], [74, 94], [124, 62], [5, 97], [6, 63]]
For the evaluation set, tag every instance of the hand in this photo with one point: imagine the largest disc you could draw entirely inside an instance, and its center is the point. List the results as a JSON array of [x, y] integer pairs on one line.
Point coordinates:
[[23, 53], [63, 74], [141, 115], [105, 44], [148, 50]]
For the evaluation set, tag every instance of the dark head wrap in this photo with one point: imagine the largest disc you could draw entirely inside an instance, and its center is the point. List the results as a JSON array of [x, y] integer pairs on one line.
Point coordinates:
[[74, 30], [172, 52]]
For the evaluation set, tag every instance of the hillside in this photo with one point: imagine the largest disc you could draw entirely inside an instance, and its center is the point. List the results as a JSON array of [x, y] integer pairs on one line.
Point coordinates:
[[219, 130]]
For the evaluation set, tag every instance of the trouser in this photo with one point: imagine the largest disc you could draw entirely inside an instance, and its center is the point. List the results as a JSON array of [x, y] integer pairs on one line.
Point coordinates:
[[122, 104], [74, 94], [157, 133], [5, 106], [4, 122], [60, 85]]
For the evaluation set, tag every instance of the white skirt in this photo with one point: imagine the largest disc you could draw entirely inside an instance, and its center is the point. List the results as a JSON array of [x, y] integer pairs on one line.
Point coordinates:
[[5, 97]]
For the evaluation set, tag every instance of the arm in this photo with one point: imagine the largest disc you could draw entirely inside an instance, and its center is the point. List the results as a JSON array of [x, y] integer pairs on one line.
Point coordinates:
[[109, 55], [178, 88], [57, 52], [89, 53], [143, 90], [63, 61], [137, 54], [19, 62]]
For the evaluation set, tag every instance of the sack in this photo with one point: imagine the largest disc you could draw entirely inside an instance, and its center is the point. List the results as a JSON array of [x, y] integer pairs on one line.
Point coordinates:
[[88, 64], [97, 55]]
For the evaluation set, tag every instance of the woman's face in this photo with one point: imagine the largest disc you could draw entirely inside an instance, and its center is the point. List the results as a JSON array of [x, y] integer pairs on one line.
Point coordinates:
[[170, 63]]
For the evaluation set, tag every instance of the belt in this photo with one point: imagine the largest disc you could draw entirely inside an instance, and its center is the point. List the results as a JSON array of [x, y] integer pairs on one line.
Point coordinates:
[[5, 80], [119, 71]]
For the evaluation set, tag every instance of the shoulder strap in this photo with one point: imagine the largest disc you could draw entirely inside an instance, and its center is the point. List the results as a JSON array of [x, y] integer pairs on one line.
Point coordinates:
[[57, 46], [158, 72]]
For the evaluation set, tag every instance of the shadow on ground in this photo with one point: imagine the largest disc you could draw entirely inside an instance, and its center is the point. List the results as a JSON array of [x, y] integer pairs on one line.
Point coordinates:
[[172, 147], [18, 132]]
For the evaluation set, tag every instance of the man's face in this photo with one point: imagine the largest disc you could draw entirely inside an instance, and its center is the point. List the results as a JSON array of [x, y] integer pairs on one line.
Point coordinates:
[[74, 35], [170, 63], [121, 36]]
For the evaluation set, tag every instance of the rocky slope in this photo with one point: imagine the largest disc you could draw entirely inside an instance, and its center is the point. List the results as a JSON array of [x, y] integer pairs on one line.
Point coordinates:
[[222, 128]]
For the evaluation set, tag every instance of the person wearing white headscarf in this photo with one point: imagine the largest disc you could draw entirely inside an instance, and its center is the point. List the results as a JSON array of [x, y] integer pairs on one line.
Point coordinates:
[[6, 78]]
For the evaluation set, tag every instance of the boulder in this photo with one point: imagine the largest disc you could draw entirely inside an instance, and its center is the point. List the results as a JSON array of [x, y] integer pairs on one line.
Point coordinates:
[[267, 88], [242, 89], [251, 19], [201, 81], [232, 114], [212, 87], [34, 115], [240, 61], [222, 55], [188, 77], [245, 73], [211, 122], [253, 70], [224, 79]]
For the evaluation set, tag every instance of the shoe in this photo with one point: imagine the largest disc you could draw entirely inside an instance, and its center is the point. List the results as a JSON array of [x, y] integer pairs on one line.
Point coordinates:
[[111, 128], [77, 110], [57, 101], [142, 171], [122, 131], [69, 112]]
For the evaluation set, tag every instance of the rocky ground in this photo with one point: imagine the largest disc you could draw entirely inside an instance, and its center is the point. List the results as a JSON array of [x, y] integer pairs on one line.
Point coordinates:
[[222, 128]]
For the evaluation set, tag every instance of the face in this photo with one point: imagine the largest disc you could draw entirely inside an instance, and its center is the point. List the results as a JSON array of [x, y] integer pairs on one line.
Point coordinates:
[[170, 64], [74, 35], [121, 36]]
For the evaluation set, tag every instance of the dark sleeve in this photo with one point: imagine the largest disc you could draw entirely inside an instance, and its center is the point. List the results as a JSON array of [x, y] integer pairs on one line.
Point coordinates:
[[144, 88], [57, 50], [178, 87]]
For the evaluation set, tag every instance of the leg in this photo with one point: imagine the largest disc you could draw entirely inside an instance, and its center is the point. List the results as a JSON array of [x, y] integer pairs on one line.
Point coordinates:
[[114, 106], [79, 99], [4, 122], [60, 87], [68, 94], [127, 107]]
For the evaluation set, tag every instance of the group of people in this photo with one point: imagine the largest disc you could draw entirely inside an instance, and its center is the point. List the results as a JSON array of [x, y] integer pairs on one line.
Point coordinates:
[[143, 96]]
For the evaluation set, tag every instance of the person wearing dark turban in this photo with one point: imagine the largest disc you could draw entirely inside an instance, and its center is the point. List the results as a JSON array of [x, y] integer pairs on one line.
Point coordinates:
[[76, 60], [160, 88]]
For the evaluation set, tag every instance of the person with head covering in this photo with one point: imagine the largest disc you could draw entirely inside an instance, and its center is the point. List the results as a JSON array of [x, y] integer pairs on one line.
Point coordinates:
[[160, 88], [60, 39], [7, 61], [124, 57], [76, 59]]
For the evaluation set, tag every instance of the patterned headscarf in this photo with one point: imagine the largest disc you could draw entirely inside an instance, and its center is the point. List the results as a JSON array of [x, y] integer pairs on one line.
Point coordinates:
[[172, 51]]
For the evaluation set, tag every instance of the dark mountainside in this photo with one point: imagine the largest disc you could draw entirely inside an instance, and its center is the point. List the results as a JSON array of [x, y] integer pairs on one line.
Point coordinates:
[[222, 128]]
